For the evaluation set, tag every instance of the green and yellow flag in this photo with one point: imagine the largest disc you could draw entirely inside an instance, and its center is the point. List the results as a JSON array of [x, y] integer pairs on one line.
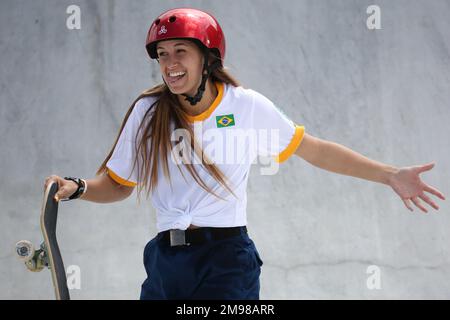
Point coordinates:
[[225, 121]]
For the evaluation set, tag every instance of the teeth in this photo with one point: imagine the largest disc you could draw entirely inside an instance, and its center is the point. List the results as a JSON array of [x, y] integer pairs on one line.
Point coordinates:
[[176, 74]]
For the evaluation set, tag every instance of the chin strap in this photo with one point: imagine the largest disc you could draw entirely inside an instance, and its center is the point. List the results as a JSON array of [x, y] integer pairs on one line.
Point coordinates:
[[209, 69]]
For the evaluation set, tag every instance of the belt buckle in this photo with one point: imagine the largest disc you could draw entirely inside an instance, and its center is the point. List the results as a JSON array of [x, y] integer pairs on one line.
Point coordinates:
[[177, 238]]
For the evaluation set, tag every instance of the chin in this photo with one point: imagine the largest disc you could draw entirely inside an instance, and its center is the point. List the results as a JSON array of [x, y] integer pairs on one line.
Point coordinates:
[[181, 90]]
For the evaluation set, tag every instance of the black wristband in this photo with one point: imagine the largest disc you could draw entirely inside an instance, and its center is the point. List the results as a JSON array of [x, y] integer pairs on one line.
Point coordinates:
[[80, 190]]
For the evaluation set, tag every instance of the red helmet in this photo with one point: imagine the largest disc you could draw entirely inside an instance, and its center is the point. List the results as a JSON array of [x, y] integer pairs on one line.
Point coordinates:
[[186, 23]]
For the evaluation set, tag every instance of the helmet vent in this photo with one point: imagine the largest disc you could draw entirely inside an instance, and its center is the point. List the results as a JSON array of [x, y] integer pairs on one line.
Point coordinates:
[[172, 19], [157, 22]]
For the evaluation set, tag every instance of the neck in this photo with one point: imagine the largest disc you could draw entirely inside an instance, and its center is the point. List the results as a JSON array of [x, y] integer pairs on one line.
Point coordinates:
[[208, 97]]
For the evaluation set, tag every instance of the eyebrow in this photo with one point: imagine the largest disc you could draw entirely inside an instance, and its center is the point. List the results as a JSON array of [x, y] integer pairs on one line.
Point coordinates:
[[178, 44]]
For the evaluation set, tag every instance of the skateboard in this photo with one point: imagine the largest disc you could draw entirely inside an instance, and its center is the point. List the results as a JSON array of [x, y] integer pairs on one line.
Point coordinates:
[[48, 255]]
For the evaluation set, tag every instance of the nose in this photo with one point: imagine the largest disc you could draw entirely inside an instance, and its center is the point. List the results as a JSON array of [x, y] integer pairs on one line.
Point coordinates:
[[171, 61], [173, 67]]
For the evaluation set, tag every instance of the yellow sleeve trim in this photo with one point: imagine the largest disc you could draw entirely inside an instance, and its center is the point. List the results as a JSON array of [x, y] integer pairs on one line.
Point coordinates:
[[119, 180], [293, 145]]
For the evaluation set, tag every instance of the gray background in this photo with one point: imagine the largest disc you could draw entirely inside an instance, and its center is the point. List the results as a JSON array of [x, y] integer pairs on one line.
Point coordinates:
[[383, 93]]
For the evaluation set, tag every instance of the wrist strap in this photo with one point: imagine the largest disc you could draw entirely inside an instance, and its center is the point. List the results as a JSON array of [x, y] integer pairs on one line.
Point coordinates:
[[81, 188], [85, 186]]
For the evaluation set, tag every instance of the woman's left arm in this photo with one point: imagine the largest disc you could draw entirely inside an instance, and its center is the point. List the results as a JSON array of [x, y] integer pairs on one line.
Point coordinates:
[[337, 158]]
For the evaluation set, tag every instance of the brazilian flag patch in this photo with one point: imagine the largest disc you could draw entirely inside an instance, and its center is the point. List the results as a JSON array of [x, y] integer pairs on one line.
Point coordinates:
[[225, 121]]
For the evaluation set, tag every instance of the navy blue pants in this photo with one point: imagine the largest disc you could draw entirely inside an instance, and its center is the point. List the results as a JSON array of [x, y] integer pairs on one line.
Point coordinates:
[[217, 269]]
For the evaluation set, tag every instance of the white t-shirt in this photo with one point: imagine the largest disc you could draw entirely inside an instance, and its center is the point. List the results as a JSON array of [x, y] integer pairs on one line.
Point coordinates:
[[239, 125]]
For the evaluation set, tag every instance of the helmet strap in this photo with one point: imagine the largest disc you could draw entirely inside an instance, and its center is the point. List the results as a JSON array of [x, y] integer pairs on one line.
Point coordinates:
[[209, 69]]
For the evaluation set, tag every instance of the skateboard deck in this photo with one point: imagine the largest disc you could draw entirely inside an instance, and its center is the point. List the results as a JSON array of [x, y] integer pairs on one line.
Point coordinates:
[[48, 255]]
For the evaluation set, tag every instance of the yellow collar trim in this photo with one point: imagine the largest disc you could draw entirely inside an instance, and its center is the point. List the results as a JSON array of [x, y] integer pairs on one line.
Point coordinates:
[[205, 114]]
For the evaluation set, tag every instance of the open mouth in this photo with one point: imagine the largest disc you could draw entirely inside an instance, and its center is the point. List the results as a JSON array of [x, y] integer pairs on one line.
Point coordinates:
[[175, 79]]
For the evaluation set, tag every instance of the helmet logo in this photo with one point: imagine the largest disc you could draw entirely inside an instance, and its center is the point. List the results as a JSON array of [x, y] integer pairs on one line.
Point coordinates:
[[162, 30]]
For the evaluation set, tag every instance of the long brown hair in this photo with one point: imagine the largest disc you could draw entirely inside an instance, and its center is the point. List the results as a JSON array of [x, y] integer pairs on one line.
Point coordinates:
[[163, 110]]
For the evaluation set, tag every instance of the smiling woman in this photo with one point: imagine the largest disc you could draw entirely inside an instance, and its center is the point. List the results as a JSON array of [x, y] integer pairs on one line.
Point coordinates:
[[202, 215]]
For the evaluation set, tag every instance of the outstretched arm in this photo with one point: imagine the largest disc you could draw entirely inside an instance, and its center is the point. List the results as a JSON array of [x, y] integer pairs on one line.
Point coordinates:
[[337, 158]]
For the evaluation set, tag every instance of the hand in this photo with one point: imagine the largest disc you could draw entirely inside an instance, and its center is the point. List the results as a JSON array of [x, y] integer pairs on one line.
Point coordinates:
[[407, 184], [65, 187]]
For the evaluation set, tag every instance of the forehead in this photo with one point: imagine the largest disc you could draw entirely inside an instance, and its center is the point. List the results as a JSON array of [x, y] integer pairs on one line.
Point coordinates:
[[172, 43]]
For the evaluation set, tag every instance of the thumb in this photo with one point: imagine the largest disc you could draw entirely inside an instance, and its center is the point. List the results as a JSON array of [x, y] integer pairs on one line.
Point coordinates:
[[60, 194], [426, 167]]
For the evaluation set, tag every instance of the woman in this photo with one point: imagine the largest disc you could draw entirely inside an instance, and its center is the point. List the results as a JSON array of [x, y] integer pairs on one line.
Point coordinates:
[[176, 141]]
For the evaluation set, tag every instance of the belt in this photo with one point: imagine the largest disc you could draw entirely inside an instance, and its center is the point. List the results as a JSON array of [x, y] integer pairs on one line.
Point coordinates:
[[176, 237]]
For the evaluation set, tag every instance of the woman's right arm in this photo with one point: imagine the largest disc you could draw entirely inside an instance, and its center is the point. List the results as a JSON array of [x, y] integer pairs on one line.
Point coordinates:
[[102, 189]]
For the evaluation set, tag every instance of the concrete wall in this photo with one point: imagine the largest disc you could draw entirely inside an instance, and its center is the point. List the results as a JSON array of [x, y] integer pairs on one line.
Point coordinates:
[[384, 93]]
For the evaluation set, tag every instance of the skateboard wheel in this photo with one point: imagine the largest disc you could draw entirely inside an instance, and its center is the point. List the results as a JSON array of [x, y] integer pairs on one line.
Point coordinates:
[[25, 250]]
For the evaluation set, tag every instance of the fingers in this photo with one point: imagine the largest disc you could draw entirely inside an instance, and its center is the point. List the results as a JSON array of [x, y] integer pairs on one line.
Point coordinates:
[[425, 198], [408, 204], [54, 179], [419, 204], [434, 191], [49, 180]]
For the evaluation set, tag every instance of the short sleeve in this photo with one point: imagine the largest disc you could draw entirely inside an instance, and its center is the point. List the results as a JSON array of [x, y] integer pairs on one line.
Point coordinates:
[[121, 166], [277, 135]]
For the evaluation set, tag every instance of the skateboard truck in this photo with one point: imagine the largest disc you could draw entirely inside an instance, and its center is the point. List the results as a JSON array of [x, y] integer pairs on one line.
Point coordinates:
[[35, 260]]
